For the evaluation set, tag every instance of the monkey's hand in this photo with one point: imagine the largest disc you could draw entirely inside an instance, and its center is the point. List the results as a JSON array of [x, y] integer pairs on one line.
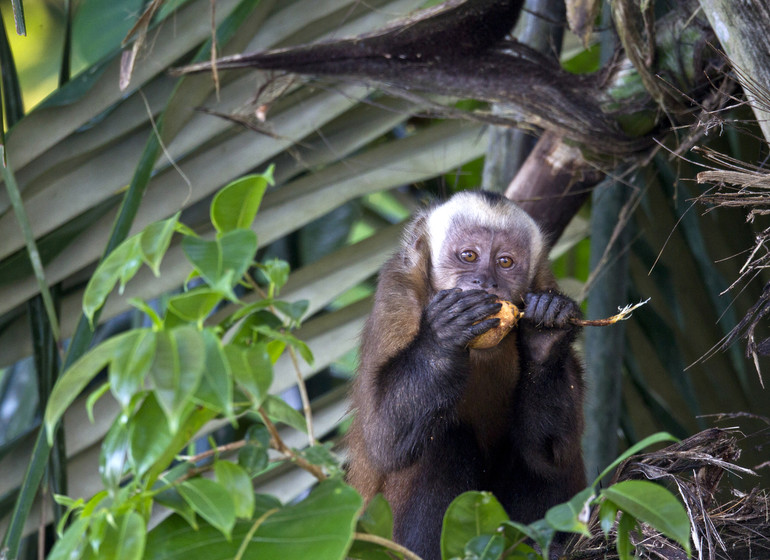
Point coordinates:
[[546, 331], [455, 317]]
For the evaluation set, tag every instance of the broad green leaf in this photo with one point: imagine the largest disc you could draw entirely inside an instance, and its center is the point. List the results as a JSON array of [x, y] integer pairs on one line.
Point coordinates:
[[76, 378], [216, 388], [177, 370], [572, 517], [623, 544], [195, 306], [120, 265], [251, 369], [223, 261], [114, 454], [238, 484], [377, 519], [73, 539], [278, 410], [149, 434], [125, 539], [155, 240], [319, 527], [211, 501], [469, 515], [236, 205], [652, 504], [130, 364], [646, 442], [485, 547]]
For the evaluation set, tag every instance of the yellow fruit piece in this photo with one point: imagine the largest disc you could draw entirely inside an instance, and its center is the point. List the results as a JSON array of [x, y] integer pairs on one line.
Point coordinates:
[[509, 315]]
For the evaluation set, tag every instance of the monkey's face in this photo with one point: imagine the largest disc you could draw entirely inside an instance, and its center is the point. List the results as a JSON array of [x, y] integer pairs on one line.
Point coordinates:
[[474, 257]]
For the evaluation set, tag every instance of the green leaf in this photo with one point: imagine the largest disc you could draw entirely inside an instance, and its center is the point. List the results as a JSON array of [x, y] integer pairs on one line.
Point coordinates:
[[130, 364], [539, 531], [120, 265], [170, 496], [197, 418], [155, 240], [279, 411], [177, 370], [238, 484], [302, 347], [114, 453], [623, 544], [277, 272], [652, 504], [485, 547], [216, 388], [572, 516], [149, 435], [125, 540], [253, 459], [608, 512], [236, 205], [321, 454], [66, 547], [319, 527], [211, 501], [251, 369], [258, 434], [76, 378], [294, 310], [172, 499], [646, 442], [469, 515], [195, 305], [223, 261], [377, 519]]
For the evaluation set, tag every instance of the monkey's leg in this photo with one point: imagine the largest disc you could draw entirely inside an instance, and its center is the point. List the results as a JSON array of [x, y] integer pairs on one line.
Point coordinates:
[[433, 482]]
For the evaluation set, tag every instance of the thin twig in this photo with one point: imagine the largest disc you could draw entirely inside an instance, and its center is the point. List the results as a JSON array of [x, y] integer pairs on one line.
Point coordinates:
[[232, 446], [387, 543], [623, 314], [303, 394], [279, 445]]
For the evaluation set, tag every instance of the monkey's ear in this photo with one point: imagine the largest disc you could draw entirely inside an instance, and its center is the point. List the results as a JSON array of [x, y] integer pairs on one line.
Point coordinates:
[[416, 243]]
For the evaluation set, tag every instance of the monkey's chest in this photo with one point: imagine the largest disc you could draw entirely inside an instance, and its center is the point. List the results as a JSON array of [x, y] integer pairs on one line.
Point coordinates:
[[488, 396]]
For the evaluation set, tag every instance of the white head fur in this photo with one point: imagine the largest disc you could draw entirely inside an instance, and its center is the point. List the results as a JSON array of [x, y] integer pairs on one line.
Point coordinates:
[[500, 216]]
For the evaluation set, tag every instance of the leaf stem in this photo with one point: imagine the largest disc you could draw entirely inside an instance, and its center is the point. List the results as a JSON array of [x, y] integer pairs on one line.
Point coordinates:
[[387, 543]]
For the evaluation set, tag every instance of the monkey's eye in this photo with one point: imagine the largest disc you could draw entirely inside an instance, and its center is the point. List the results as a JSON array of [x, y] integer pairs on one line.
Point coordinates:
[[505, 262], [469, 256]]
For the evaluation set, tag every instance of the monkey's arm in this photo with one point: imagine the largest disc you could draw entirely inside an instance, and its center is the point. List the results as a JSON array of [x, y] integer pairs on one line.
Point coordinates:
[[412, 395], [547, 409]]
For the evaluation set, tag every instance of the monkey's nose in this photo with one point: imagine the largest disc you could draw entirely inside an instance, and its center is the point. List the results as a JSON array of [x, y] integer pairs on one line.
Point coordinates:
[[485, 283]]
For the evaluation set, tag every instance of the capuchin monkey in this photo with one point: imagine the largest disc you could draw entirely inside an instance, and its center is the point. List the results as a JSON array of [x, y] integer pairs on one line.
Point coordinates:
[[434, 419]]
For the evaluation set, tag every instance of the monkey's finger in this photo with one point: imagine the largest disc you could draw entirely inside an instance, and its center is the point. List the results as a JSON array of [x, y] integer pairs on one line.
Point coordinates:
[[482, 327]]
